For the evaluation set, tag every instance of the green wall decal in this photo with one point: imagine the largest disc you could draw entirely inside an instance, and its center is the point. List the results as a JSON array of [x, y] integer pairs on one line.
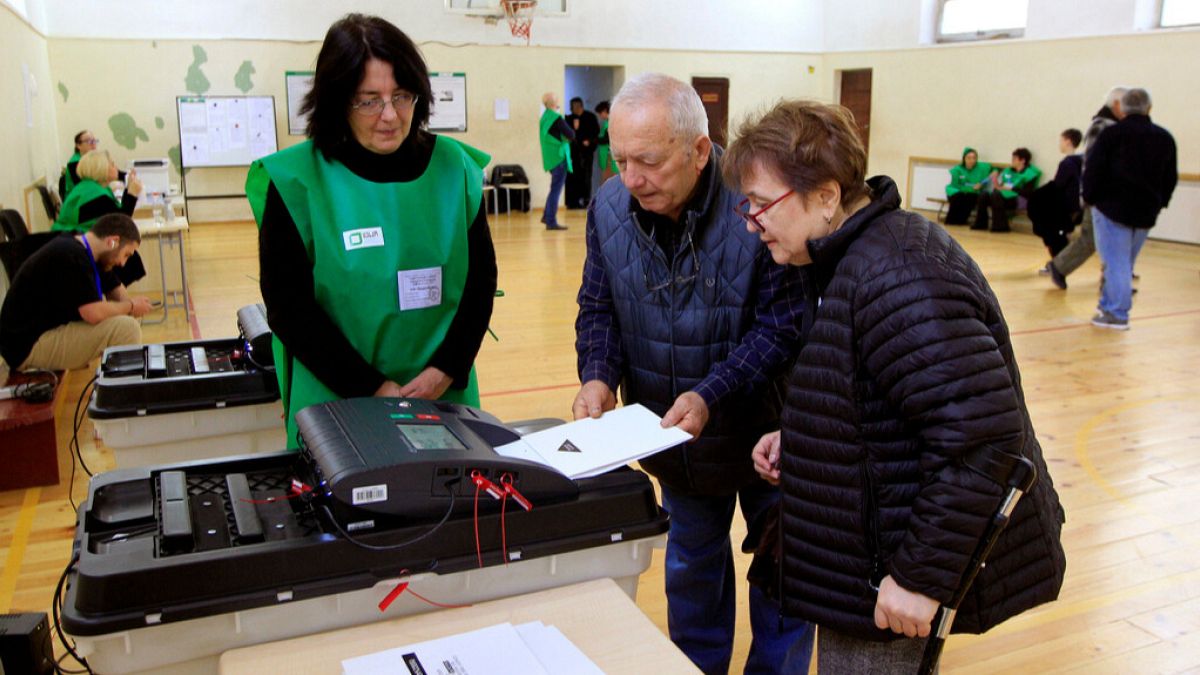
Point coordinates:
[[195, 81], [62, 89], [125, 131], [242, 79], [176, 159], [158, 122]]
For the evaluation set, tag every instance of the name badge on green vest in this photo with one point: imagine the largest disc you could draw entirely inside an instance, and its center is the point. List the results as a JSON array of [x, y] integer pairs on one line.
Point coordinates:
[[420, 288], [369, 237]]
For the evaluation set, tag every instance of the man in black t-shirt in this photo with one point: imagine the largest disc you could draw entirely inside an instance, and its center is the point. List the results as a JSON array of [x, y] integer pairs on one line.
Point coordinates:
[[65, 306]]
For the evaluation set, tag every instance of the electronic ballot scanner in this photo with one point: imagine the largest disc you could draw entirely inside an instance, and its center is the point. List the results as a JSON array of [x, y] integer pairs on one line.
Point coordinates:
[[298, 542]]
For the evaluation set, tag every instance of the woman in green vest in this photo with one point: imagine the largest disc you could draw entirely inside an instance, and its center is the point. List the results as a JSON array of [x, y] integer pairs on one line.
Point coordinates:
[[92, 198], [608, 167], [967, 180], [85, 142], [376, 262], [1010, 189]]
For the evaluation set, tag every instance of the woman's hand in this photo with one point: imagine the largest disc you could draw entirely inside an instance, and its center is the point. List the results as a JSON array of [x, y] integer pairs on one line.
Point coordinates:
[[903, 611], [431, 383], [766, 457], [388, 389], [133, 184]]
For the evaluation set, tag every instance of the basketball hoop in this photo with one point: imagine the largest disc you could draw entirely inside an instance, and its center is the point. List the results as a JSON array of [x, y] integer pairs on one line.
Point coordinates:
[[520, 16]]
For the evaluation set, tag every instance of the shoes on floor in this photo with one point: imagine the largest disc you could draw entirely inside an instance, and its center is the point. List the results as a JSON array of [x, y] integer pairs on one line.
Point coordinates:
[[556, 227], [1057, 277], [1002, 229], [1106, 320], [979, 227], [1044, 271]]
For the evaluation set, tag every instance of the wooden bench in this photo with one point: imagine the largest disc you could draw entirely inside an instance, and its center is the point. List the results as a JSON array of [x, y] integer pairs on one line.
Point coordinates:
[[28, 443]]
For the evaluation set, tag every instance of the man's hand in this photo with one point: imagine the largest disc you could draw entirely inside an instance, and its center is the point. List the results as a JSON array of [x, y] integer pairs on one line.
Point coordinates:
[[766, 457], [388, 389], [689, 413], [429, 384], [594, 399], [140, 307], [903, 611]]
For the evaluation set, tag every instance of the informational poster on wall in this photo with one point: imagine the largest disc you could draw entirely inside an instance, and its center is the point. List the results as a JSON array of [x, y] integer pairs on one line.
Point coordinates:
[[297, 82], [449, 110], [225, 130]]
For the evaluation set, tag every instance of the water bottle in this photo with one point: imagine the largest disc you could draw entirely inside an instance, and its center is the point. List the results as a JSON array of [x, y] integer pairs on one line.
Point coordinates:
[[168, 209], [156, 204]]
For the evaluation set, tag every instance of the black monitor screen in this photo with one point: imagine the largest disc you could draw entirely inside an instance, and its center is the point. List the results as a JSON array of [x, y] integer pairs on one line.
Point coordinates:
[[430, 437]]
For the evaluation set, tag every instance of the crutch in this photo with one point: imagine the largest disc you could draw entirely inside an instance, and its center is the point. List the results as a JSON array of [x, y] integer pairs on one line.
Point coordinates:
[[1018, 475]]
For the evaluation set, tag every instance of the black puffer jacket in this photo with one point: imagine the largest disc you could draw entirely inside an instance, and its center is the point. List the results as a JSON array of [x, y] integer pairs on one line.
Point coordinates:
[[906, 367]]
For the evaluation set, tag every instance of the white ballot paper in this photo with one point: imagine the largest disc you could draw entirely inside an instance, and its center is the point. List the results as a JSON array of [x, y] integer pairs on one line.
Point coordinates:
[[528, 649], [589, 447]]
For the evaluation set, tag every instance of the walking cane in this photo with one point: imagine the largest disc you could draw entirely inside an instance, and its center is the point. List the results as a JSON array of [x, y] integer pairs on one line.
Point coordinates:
[[1017, 474]]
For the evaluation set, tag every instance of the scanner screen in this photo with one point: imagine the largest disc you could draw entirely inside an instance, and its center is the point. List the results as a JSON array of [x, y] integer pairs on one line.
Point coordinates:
[[430, 437]]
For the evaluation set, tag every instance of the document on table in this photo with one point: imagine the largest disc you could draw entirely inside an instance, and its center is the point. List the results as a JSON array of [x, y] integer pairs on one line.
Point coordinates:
[[589, 447], [531, 648]]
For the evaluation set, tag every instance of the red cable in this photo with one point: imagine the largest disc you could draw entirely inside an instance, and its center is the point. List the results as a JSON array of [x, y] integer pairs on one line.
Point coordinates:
[[478, 549], [401, 587], [503, 532]]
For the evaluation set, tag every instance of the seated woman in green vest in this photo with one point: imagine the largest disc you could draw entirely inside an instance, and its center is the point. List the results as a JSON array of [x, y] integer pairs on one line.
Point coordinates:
[[1010, 188], [967, 180], [85, 142], [376, 263], [92, 198]]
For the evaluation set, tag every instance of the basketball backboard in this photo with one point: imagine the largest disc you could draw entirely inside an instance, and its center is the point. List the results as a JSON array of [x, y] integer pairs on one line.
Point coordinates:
[[493, 8]]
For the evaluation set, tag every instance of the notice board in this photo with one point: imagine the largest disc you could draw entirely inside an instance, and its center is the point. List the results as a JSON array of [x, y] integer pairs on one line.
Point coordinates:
[[225, 130]]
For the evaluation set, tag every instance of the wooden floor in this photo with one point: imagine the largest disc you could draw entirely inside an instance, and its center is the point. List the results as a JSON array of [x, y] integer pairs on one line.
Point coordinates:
[[1117, 413]]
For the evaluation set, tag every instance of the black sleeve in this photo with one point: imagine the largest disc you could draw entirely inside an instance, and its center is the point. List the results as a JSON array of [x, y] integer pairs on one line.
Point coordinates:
[[128, 203], [100, 206], [562, 130], [458, 350], [286, 280]]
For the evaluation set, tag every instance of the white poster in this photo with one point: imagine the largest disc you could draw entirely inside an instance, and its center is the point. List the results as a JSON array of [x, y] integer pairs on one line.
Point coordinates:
[[448, 110], [298, 83]]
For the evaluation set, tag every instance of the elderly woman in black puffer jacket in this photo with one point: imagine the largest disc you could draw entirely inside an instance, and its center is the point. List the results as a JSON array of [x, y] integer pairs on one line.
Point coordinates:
[[907, 372]]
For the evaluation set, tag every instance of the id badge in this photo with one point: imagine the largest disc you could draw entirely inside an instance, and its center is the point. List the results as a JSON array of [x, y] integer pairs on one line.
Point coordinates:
[[420, 288]]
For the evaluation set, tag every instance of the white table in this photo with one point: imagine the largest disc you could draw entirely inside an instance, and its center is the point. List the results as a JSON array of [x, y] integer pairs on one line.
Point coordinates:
[[168, 233]]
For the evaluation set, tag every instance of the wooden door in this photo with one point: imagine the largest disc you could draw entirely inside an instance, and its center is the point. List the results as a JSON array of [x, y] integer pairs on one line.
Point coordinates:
[[714, 94], [856, 95]]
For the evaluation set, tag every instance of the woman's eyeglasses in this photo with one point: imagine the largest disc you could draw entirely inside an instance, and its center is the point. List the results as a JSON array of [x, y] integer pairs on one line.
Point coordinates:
[[743, 210], [90, 141], [402, 102]]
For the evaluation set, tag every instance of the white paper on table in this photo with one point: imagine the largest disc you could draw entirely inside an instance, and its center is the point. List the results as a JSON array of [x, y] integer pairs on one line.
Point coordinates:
[[589, 447], [495, 650], [556, 653]]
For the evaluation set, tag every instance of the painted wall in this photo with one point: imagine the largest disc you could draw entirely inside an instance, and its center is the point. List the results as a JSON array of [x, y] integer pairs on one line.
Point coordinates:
[[751, 25], [30, 151], [132, 108], [1001, 95]]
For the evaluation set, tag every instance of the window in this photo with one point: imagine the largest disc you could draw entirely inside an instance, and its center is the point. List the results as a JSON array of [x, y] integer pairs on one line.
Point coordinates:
[[961, 20], [1179, 13]]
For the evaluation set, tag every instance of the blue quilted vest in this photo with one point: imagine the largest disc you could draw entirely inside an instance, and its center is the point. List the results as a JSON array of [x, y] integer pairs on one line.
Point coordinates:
[[679, 315]]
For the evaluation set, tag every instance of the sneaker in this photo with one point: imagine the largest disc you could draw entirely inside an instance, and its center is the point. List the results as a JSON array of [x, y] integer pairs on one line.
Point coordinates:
[[1057, 277], [1106, 320], [556, 227]]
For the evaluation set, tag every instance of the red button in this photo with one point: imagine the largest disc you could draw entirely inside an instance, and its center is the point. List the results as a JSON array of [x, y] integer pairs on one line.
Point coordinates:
[[428, 417]]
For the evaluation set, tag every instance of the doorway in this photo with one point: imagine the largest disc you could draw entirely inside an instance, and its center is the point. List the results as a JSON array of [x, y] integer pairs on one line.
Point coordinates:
[[855, 94], [714, 94], [592, 84]]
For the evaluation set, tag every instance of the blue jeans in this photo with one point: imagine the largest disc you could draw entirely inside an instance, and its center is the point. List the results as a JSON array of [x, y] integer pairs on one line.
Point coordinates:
[[1118, 246], [558, 178], [701, 589]]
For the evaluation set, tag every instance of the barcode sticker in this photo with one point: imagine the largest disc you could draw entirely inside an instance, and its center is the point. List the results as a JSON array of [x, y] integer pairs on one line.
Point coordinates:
[[369, 494]]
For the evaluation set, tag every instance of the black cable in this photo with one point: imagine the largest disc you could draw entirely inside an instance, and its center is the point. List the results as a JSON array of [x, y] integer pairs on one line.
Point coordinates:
[[410, 542], [56, 607], [73, 446]]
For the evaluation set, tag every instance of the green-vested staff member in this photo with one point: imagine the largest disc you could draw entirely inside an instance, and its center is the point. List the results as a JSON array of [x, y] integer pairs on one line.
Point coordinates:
[[608, 167], [91, 198], [377, 266], [967, 180], [1009, 188], [85, 142]]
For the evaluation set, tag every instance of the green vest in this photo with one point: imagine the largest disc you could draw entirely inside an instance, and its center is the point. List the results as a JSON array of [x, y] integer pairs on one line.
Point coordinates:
[[362, 238], [554, 150], [84, 192], [964, 180], [1015, 181], [604, 152], [68, 182]]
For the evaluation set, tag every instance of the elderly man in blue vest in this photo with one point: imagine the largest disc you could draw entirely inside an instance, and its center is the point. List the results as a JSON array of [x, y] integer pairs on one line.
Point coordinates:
[[684, 309]]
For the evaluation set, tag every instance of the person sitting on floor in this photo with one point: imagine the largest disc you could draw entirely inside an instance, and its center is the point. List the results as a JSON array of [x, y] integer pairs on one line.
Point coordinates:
[[66, 305], [1054, 208], [967, 180], [1010, 188]]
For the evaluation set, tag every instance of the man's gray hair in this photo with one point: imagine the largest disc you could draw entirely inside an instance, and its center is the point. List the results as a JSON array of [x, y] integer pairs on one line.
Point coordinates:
[[1114, 95], [1136, 101], [686, 112]]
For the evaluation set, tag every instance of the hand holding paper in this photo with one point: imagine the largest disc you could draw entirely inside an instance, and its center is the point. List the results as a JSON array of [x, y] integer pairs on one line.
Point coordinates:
[[689, 413]]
